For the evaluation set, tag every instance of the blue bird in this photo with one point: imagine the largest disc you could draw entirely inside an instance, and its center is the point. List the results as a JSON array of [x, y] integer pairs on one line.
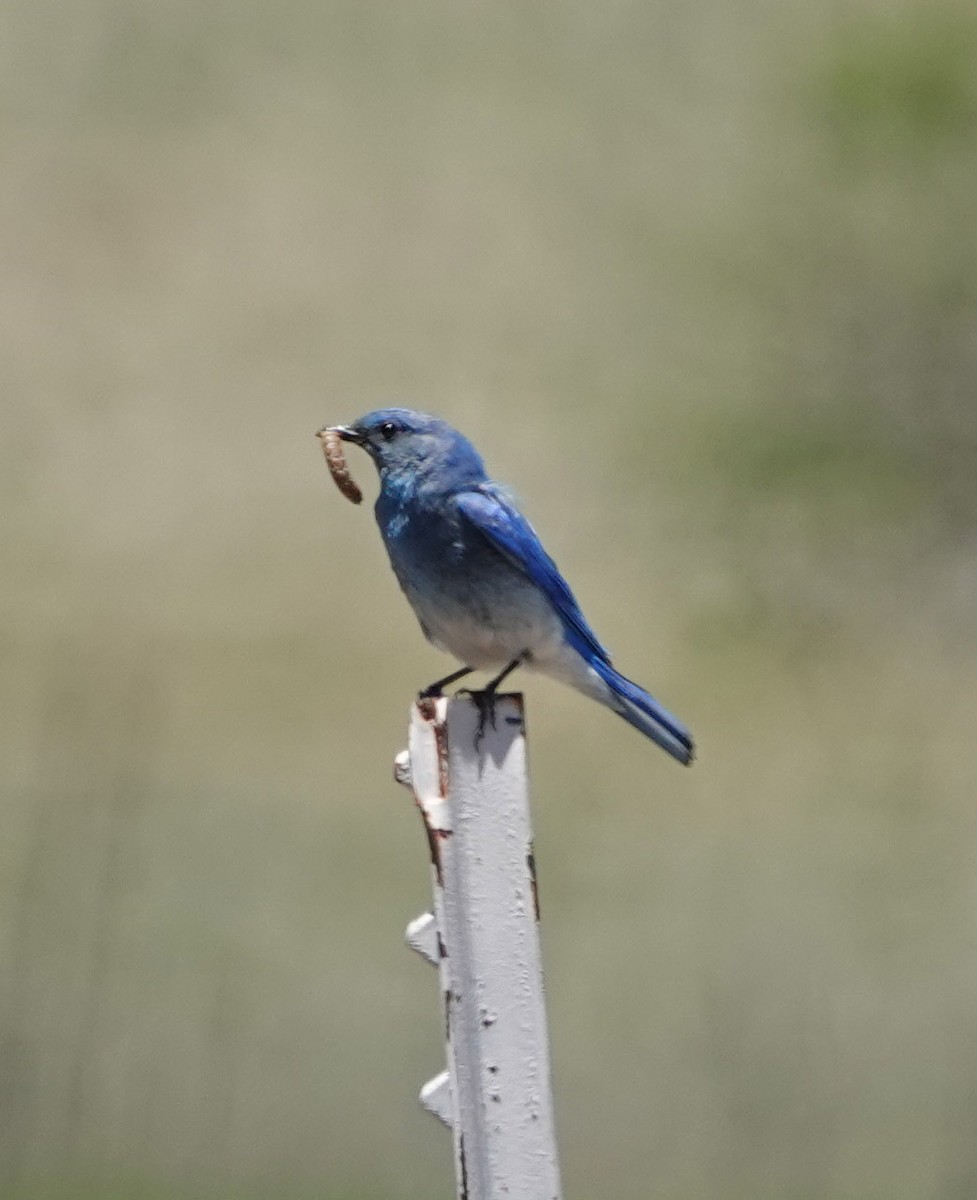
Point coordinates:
[[476, 573]]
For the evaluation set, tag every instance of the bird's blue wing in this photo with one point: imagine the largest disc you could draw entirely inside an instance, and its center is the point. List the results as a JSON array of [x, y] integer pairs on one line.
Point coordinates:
[[495, 517]]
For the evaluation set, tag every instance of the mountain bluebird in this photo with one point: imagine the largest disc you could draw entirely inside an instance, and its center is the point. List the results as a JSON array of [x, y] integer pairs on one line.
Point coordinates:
[[476, 573]]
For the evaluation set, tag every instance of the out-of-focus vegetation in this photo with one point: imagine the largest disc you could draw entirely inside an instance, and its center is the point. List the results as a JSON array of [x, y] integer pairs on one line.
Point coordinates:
[[701, 281]]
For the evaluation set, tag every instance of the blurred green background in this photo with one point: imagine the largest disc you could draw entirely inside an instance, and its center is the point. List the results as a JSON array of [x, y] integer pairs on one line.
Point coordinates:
[[700, 280]]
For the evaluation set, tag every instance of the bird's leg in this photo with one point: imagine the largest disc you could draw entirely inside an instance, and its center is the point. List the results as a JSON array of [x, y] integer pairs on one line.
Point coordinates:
[[484, 700], [493, 684], [436, 688]]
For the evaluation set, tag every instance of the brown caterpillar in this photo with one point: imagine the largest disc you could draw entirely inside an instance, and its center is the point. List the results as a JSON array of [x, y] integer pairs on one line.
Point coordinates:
[[332, 448]]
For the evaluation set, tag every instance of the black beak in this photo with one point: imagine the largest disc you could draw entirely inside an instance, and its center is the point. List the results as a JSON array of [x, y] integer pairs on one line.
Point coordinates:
[[346, 432]]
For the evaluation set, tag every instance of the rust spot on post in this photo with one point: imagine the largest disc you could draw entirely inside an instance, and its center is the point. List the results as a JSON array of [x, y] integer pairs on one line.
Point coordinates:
[[433, 844], [464, 1168], [427, 707], [441, 737], [531, 863]]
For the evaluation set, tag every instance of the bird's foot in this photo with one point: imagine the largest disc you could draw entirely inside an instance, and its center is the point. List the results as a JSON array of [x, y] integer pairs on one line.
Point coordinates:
[[484, 701], [433, 690]]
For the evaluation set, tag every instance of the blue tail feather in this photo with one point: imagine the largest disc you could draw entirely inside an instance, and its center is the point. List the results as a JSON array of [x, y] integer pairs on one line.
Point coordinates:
[[646, 714]]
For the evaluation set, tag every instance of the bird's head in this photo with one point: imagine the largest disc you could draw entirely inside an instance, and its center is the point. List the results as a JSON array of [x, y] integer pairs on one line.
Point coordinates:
[[414, 448]]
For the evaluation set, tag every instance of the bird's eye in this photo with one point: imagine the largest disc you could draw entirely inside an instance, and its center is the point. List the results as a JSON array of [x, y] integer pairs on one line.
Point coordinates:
[[387, 430]]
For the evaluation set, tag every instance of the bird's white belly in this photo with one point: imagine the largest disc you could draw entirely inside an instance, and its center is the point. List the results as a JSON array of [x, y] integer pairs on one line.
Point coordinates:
[[490, 634]]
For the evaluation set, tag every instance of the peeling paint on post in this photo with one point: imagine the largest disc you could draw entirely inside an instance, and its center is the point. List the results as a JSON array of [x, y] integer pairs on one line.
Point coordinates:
[[483, 936]]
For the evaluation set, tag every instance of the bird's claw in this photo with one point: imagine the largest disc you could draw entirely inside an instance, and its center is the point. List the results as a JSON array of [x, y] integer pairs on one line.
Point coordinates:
[[436, 689], [484, 701]]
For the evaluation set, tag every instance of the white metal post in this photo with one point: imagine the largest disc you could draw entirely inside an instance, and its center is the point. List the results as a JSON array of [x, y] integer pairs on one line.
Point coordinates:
[[470, 786]]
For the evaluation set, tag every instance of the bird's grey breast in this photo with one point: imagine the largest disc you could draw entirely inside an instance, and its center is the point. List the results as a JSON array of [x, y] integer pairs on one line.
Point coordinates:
[[468, 596]]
